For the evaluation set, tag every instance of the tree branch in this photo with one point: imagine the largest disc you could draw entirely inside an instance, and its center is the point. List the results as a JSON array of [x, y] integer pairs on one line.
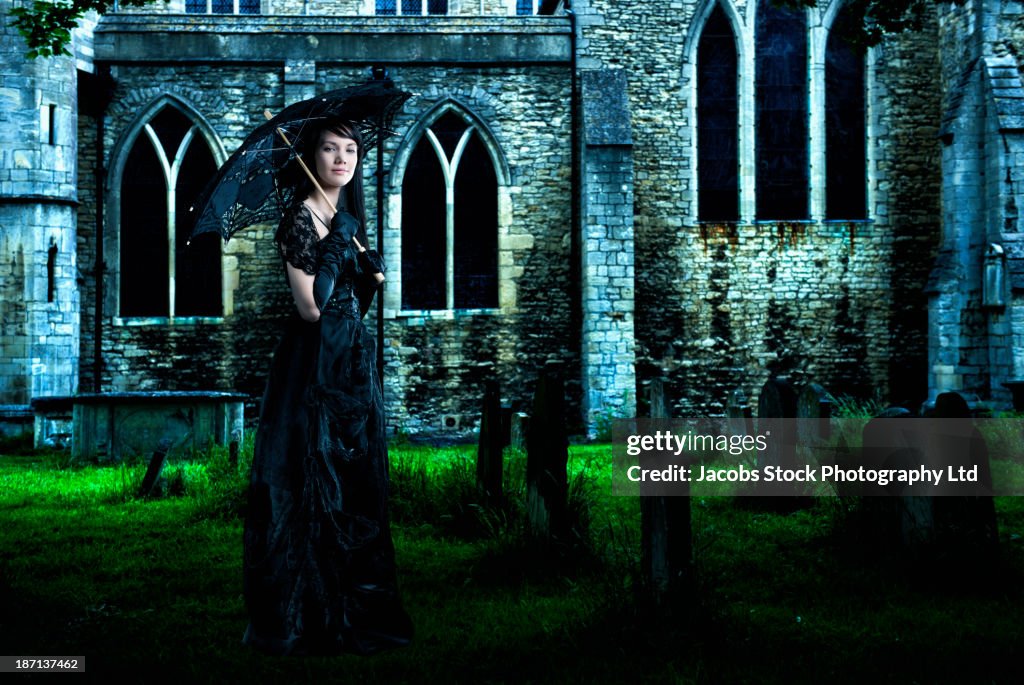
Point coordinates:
[[46, 26]]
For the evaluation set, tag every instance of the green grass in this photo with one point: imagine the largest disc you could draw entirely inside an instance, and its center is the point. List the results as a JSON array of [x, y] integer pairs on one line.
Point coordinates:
[[150, 590]]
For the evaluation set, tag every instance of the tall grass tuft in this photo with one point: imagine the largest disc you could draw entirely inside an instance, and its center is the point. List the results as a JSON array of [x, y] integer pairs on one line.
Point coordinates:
[[436, 489], [851, 407]]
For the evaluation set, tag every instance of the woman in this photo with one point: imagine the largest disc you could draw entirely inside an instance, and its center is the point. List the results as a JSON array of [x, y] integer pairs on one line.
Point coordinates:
[[319, 563]]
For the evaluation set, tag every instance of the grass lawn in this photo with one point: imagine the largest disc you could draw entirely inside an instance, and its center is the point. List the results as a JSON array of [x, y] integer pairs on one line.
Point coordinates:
[[150, 590]]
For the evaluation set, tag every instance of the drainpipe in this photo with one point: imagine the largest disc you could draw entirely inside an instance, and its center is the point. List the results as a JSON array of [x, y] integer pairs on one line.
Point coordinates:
[[105, 89], [380, 73], [575, 237]]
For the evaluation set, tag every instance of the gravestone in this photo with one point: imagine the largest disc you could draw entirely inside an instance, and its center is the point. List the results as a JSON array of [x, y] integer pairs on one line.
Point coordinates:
[[488, 459], [776, 409], [740, 413], [666, 544], [547, 449], [964, 525], [814, 409], [155, 468], [880, 510], [519, 424]]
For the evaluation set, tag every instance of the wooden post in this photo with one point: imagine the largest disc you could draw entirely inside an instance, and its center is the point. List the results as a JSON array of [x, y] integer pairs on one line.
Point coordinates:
[[488, 459], [666, 542], [547, 457]]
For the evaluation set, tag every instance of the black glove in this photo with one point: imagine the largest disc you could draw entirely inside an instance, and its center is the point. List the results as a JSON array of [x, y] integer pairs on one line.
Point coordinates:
[[344, 223], [335, 252], [370, 262]]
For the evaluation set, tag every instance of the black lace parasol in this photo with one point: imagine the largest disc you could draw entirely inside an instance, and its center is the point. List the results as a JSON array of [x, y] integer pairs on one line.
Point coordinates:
[[257, 182]]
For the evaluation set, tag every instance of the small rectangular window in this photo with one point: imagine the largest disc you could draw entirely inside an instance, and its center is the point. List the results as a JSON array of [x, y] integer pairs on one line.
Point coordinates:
[[48, 124]]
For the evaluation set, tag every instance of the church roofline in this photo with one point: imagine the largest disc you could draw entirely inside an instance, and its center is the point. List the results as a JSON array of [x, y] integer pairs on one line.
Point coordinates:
[[434, 40]]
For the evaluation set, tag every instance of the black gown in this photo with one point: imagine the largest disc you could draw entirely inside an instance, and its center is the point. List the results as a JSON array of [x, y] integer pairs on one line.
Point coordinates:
[[319, 573]]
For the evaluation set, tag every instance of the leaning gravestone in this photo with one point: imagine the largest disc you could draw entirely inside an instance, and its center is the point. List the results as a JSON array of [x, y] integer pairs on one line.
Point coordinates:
[[155, 468], [547, 457], [666, 545]]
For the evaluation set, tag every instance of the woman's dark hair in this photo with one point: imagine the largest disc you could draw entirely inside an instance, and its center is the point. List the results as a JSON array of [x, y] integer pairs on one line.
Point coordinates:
[[351, 198]]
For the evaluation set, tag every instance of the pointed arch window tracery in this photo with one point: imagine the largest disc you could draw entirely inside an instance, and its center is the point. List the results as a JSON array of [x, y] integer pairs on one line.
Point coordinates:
[[161, 274], [449, 220]]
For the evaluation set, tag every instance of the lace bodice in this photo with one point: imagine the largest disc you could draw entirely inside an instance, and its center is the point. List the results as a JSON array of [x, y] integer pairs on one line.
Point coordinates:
[[297, 239], [299, 245]]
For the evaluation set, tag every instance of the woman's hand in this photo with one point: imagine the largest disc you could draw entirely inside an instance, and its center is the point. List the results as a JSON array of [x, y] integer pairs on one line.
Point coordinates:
[[344, 224]]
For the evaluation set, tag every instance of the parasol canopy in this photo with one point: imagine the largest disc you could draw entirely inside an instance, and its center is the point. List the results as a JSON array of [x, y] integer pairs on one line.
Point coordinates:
[[258, 182]]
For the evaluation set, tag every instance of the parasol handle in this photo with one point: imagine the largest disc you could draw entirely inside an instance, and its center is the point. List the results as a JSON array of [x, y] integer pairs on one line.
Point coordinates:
[[378, 276]]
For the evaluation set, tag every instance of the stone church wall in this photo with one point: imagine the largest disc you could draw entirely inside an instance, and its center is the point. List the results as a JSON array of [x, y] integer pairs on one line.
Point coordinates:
[[434, 366], [726, 306]]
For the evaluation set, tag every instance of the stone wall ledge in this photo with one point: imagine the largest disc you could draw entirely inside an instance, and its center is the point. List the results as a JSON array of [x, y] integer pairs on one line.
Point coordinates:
[[832, 228], [264, 23], [193, 38], [37, 199]]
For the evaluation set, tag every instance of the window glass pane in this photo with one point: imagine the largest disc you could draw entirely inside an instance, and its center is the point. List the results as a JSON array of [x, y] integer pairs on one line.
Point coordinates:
[[424, 231], [223, 7], [476, 228], [524, 7], [386, 7], [781, 112], [437, 6], [197, 265], [412, 7], [248, 6], [143, 234], [845, 152], [717, 122], [195, 6]]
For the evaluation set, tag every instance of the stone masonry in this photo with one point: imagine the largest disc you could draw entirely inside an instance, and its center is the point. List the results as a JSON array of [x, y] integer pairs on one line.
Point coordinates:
[[39, 312], [603, 263]]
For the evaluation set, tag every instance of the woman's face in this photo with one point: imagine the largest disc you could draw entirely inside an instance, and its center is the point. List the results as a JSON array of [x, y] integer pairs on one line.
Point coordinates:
[[336, 159]]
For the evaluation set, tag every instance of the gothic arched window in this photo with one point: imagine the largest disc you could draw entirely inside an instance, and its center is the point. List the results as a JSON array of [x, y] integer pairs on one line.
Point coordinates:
[[845, 150], [781, 94], [717, 121], [449, 220], [161, 274]]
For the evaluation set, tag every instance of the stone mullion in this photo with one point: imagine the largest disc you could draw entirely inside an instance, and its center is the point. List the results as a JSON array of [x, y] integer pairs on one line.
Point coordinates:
[[165, 165], [817, 38], [872, 96], [746, 65], [449, 223]]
